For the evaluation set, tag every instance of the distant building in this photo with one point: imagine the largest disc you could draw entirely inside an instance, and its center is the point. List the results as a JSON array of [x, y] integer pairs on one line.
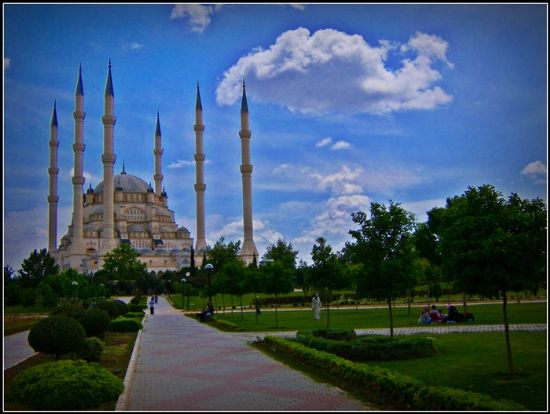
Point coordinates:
[[123, 208]]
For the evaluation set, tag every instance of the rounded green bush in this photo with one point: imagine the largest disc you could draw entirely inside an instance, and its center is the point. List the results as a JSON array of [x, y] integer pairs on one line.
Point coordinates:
[[57, 335], [125, 325], [71, 310], [65, 385], [95, 322], [122, 307], [136, 307], [92, 349], [110, 307]]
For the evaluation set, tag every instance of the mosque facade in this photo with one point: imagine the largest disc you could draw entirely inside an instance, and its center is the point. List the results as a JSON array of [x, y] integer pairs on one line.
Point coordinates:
[[125, 209]]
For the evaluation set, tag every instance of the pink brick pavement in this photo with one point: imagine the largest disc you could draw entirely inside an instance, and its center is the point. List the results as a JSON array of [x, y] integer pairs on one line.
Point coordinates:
[[183, 365]]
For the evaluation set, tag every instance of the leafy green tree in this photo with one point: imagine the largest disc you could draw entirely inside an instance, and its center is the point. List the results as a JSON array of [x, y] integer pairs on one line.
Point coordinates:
[[276, 279], [231, 279], [282, 252], [36, 267], [492, 246], [326, 272], [122, 263], [301, 276], [218, 256], [384, 245]]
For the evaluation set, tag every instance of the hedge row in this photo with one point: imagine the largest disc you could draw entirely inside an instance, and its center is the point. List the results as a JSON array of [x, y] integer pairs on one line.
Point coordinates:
[[387, 388], [370, 348], [225, 325]]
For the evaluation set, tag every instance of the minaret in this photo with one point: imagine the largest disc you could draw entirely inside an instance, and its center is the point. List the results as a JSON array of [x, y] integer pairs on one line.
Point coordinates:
[[53, 198], [200, 186], [248, 250], [77, 244], [108, 158], [158, 159]]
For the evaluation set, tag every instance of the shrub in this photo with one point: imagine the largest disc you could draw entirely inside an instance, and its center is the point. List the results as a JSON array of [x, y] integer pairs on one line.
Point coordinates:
[[132, 307], [139, 314], [92, 349], [370, 348], [124, 325], [345, 335], [388, 388], [110, 306], [122, 307], [71, 310], [57, 335], [136, 300], [65, 385], [95, 322], [225, 325]]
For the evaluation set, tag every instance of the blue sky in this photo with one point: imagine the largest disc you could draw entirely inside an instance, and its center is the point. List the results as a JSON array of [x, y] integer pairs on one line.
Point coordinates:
[[349, 104]]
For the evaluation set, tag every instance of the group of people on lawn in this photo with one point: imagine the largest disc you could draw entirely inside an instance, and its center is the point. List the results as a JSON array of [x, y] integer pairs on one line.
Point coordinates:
[[436, 316]]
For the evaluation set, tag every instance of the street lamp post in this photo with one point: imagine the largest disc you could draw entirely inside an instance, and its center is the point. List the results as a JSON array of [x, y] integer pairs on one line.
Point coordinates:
[[187, 274], [75, 284], [209, 268], [183, 280]]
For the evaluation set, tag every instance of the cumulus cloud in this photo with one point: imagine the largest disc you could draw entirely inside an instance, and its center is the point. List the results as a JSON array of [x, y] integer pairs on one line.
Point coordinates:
[[341, 145], [186, 163], [536, 171], [332, 71], [534, 168], [88, 177], [324, 142], [7, 63], [199, 16]]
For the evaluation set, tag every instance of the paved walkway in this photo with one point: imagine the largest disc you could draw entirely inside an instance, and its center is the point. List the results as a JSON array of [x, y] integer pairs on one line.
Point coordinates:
[[184, 365]]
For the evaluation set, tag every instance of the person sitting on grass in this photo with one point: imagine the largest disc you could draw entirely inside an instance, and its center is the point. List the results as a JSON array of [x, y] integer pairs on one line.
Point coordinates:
[[425, 318], [206, 313], [436, 315]]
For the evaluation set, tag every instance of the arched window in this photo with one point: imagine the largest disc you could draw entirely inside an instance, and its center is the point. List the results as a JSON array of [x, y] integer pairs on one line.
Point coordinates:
[[135, 214]]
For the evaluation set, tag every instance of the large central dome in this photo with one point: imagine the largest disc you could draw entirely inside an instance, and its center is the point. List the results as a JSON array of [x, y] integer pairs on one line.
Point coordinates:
[[126, 183]]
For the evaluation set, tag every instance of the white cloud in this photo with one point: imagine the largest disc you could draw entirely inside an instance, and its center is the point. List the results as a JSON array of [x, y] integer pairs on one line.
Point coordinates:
[[324, 142], [88, 177], [199, 15], [7, 63], [341, 145], [133, 45], [534, 168], [332, 71], [185, 163], [536, 171]]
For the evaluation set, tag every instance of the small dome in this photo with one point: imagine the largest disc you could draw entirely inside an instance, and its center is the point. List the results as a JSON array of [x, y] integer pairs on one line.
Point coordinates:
[[127, 183], [90, 190]]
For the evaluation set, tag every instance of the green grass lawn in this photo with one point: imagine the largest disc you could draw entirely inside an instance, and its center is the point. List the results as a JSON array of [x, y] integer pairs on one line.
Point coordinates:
[[477, 362], [375, 317]]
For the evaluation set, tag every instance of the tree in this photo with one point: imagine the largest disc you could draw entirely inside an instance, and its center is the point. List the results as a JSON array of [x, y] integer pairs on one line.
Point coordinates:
[[276, 279], [123, 264], [383, 244], [219, 255], [326, 273], [36, 267], [491, 246], [282, 252], [231, 279]]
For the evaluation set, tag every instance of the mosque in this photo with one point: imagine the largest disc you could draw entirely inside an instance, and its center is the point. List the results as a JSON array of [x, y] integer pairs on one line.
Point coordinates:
[[124, 209]]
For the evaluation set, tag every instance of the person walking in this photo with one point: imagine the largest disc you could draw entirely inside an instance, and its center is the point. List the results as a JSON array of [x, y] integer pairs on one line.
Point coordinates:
[[152, 305], [316, 306]]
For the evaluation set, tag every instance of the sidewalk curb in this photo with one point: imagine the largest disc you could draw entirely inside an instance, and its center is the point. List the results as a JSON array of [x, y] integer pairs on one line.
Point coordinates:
[[123, 398]]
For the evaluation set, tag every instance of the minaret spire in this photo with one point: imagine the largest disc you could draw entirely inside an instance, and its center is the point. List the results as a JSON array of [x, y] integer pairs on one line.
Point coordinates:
[[158, 159], [200, 186], [77, 242], [108, 158], [53, 198], [248, 251]]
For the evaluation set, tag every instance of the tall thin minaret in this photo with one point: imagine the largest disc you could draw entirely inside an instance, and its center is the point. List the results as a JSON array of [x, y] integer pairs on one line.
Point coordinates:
[[158, 159], [77, 242], [248, 250], [53, 198], [200, 186], [108, 158]]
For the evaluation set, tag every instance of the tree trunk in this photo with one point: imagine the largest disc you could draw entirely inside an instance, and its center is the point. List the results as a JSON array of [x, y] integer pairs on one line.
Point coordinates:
[[465, 302], [391, 318], [276, 316], [328, 314], [242, 314], [507, 334]]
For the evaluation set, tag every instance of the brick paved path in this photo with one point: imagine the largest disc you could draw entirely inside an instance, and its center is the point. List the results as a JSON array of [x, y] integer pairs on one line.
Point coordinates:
[[184, 365]]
